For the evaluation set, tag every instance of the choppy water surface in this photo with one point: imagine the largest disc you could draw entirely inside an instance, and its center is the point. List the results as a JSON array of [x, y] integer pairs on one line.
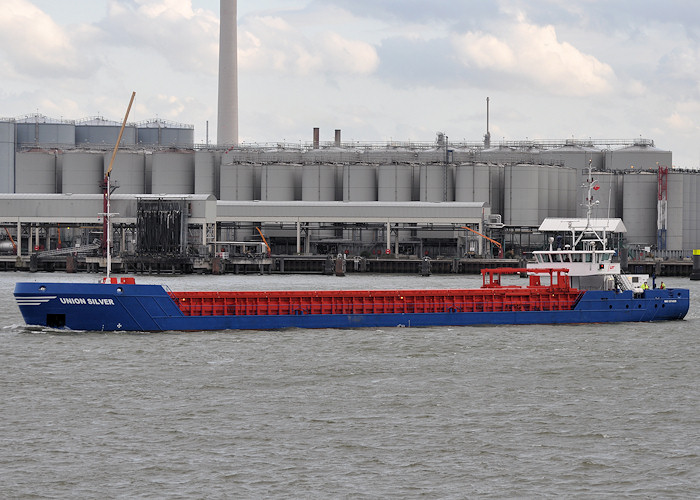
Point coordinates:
[[501, 412]]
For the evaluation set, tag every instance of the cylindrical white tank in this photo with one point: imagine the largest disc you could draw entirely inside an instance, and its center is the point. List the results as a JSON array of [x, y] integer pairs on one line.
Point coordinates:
[[473, 182], [173, 172], [83, 172], [543, 192], [359, 182], [639, 202], [318, 182], [278, 182], [437, 182], [206, 172], [394, 182], [237, 182], [42, 131], [674, 211], [35, 172], [553, 209], [99, 131], [521, 206], [7, 157], [128, 171]]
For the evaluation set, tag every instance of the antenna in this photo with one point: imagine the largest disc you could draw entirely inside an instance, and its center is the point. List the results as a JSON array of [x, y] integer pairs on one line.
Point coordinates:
[[487, 137]]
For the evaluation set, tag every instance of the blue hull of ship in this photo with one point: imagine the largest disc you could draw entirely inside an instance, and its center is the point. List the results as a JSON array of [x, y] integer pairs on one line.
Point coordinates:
[[126, 307]]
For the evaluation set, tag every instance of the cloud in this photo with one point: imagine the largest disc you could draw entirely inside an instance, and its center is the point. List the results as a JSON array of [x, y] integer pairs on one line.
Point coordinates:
[[36, 45], [271, 42], [187, 38], [535, 55]]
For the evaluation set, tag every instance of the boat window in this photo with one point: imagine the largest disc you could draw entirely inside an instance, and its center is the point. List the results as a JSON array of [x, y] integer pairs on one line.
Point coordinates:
[[576, 257], [538, 257], [566, 257], [605, 257], [589, 257], [556, 257]]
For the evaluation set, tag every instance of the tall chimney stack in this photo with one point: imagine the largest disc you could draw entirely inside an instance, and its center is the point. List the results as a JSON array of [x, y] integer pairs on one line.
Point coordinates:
[[227, 124]]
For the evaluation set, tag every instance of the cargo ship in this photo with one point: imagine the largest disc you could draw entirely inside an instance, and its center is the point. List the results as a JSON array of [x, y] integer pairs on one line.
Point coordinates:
[[548, 298], [572, 283]]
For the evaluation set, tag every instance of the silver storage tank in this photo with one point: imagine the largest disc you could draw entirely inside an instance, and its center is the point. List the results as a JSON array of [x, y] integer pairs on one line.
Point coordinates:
[[543, 192], [237, 182], [640, 156], [83, 172], [173, 172], [278, 182], [39, 130], [433, 155], [388, 155], [473, 182], [329, 156], [674, 211], [359, 182], [35, 172], [575, 156], [98, 131], [394, 182], [128, 170], [7, 157], [432, 182], [555, 173], [691, 207], [164, 133], [521, 206], [318, 182], [639, 200], [206, 172]]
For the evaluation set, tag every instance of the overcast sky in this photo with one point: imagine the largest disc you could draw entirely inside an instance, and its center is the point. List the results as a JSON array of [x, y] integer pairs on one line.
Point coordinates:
[[377, 69]]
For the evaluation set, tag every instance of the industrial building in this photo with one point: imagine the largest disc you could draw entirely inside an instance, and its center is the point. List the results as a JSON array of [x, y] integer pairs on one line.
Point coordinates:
[[408, 199]]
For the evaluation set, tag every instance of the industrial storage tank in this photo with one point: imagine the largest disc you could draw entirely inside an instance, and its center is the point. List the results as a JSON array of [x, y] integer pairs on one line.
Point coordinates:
[[206, 173], [389, 155], [437, 183], [394, 182], [464, 155], [543, 195], [164, 133], [98, 131], [640, 156], [691, 207], [237, 182], [477, 182], [639, 200], [359, 182], [521, 194], [39, 130], [574, 155], [128, 171], [35, 172], [330, 155], [318, 182], [83, 172], [7, 157], [674, 211], [553, 209], [434, 155], [279, 181], [173, 172]]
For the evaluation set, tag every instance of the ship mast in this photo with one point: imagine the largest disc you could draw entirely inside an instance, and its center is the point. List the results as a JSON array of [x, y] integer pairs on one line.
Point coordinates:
[[592, 185], [107, 191]]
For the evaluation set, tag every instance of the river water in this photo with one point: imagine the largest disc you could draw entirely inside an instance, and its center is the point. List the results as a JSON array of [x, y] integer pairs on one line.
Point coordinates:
[[587, 411]]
